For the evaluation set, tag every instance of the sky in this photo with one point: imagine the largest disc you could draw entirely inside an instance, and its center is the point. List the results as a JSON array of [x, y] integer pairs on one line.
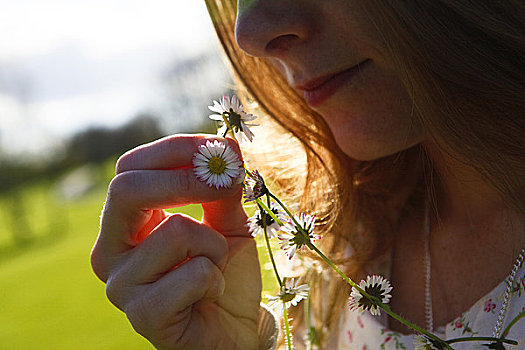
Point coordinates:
[[69, 64]]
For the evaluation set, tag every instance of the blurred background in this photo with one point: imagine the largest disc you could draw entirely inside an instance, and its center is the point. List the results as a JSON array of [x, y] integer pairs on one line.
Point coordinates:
[[80, 83]]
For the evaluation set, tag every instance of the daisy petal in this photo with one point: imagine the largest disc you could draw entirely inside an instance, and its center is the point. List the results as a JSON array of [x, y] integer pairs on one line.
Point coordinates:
[[233, 111], [222, 170]]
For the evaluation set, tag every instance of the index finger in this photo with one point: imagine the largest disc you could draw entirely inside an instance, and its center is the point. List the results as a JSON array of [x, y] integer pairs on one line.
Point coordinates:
[[153, 177], [170, 152]]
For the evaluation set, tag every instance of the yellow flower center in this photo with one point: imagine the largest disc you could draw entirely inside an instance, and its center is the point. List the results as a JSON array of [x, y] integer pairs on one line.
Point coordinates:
[[217, 165], [287, 296]]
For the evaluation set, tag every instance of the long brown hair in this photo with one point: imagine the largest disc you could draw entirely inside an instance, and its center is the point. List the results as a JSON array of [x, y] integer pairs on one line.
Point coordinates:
[[462, 62]]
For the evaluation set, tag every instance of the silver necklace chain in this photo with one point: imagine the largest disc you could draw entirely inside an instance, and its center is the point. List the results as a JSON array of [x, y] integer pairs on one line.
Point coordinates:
[[429, 315], [506, 297]]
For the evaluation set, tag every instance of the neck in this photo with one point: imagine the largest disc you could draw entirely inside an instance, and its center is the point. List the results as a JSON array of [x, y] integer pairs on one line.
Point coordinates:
[[469, 207], [475, 238]]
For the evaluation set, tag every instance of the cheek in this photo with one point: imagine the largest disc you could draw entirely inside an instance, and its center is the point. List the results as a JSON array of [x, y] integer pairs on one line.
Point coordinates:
[[372, 118], [281, 68]]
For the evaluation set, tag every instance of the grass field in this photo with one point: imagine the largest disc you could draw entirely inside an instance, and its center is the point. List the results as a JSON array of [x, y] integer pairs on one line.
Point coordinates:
[[49, 297]]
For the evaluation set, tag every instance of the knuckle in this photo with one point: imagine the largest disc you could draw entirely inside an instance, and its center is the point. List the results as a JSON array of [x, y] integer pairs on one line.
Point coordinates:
[[121, 185], [204, 269], [97, 265], [139, 314], [222, 245], [179, 226], [178, 222], [116, 289], [149, 316], [172, 235], [132, 158], [124, 162]]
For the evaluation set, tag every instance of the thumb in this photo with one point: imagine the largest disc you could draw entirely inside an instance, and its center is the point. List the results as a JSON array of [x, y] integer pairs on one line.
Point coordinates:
[[227, 215]]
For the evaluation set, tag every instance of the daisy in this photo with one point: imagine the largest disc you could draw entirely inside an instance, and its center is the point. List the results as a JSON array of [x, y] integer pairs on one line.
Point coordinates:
[[375, 286], [292, 292], [256, 223], [233, 111], [423, 343], [294, 237], [216, 164], [255, 186]]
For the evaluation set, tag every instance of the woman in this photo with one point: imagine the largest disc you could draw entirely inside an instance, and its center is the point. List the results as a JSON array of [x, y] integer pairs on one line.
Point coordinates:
[[411, 116]]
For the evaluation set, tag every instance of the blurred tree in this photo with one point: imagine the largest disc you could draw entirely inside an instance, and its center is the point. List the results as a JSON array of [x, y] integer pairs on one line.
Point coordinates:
[[92, 146], [97, 144], [21, 231], [12, 176]]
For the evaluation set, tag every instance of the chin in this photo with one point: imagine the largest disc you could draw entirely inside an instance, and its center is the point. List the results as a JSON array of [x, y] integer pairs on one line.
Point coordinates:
[[364, 156], [369, 151]]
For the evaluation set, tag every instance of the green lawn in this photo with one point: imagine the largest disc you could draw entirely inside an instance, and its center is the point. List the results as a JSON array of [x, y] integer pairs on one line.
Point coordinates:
[[49, 297]]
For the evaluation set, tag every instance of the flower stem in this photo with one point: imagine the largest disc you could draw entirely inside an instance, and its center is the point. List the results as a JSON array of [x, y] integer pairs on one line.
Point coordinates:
[[512, 323], [265, 210], [312, 337], [268, 211], [271, 255], [228, 127], [285, 209], [307, 320], [457, 340], [381, 305], [334, 267], [287, 327], [411, 325]]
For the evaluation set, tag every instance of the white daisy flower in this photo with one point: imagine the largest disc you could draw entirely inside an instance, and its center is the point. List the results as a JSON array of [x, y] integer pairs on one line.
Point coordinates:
[[217, 164], [254, 186], [238, 119], [292, 238], [292, 292], [423, 343], [375, 286], [256, 222]]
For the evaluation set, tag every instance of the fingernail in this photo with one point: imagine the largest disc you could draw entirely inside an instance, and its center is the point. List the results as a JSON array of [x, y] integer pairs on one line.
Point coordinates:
[[240, 179]]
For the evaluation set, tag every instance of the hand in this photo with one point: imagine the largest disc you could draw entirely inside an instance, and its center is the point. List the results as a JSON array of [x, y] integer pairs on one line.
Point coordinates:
[[183, 284]]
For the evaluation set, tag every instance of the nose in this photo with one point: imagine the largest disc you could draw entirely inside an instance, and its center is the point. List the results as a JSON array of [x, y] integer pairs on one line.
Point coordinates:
[[269, 28]]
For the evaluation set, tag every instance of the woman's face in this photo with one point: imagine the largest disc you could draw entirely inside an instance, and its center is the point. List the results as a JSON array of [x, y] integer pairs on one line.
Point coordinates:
[[330, 54]]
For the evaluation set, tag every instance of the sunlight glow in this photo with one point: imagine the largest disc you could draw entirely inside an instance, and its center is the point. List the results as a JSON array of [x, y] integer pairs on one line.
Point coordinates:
[[69, 64]]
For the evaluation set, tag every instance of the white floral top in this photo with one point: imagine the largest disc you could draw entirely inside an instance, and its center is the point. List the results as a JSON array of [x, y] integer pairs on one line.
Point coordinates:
[[362, 331]]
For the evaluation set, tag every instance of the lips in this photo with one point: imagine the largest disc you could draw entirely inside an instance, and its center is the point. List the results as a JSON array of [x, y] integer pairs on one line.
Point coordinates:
[[318, 90]]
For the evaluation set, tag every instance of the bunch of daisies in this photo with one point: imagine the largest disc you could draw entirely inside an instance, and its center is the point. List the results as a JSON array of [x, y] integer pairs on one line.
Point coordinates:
[[219, 166]]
